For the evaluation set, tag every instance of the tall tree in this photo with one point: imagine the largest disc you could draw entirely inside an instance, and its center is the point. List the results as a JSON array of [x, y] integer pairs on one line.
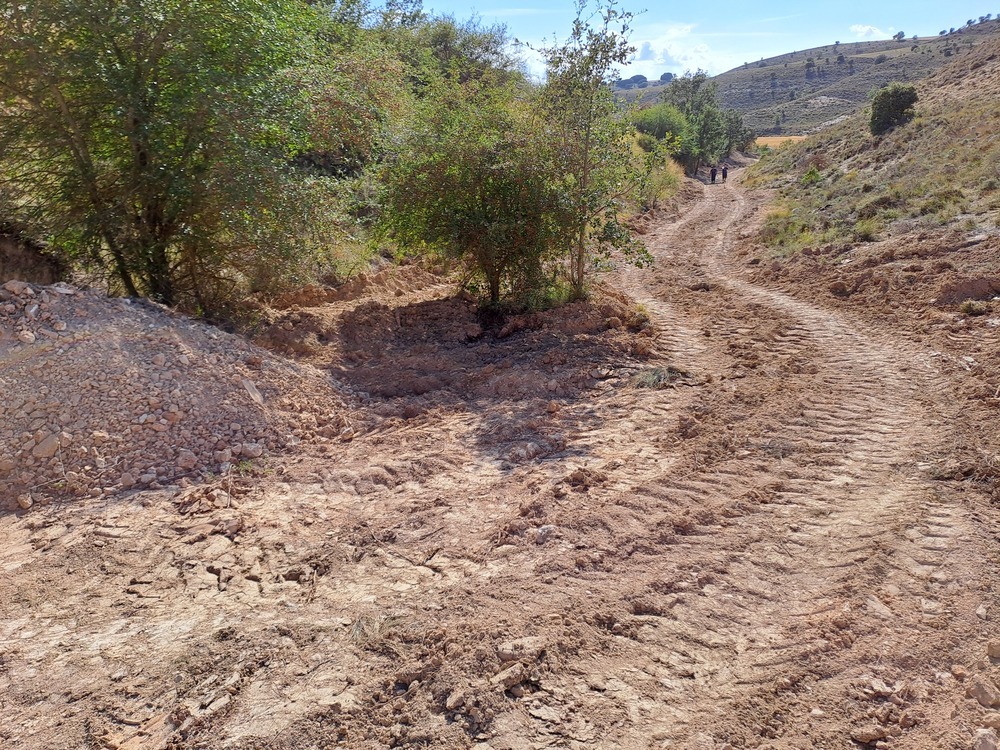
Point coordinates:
[[152, 137], [590, 136], [469, 181]]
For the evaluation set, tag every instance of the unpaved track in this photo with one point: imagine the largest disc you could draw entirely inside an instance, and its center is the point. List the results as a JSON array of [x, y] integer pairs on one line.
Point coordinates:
[[759, 556]]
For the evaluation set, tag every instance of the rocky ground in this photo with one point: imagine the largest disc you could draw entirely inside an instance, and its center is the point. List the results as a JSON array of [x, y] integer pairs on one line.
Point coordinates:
[[754, 512]]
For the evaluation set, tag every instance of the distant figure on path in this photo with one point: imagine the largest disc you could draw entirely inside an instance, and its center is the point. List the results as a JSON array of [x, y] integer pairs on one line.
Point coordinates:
[[725, 173], [714, 172]]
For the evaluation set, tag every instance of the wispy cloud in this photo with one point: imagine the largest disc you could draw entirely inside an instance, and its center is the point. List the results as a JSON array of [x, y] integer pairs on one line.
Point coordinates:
[[865, 31]]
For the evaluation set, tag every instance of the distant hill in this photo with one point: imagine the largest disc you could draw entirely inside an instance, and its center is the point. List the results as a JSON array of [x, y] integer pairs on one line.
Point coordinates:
[[802, 91], [843, 188]]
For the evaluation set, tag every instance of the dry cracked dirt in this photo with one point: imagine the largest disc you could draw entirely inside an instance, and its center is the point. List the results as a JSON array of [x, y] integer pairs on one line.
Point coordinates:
[[741, 526]]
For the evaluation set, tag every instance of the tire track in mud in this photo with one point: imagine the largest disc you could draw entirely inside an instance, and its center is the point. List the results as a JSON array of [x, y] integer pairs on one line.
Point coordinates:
[[852, 523]]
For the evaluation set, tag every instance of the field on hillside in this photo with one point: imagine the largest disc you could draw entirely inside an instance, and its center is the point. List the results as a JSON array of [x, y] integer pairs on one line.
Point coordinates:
[[776, 141]]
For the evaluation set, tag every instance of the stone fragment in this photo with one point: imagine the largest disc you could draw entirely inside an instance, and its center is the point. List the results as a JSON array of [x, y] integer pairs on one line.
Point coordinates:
[[991, 719], [908, 719], [986, 739], [59, 326], [993, 649], [983, 691], [252, 450], [529, 647], [252, 390], [26, 337], [552, 407], [455, 700], [186, 460], [159, 360], [16, 287], [867, 734], [877, 607], [47, 447], [544, 533], [25, 501], [512, 675], [6, 465]]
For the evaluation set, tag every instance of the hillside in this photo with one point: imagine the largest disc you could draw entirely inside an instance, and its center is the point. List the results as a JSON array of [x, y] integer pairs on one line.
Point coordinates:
[[801, 91]]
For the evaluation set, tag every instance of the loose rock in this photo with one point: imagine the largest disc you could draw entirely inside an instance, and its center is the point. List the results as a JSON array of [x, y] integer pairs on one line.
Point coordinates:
[[984, 691], [986, 739]]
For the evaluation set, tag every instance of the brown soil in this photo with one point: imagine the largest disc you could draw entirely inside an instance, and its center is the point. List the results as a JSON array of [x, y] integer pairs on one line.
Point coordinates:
[[763, 520]]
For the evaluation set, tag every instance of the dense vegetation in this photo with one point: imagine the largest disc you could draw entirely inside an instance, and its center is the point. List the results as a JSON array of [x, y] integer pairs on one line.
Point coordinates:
[[194, 151], [690, 116]]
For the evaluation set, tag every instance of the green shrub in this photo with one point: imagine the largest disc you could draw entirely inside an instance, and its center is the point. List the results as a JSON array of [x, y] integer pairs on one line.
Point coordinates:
[[865, 230], [660, 121], [973, 307], [811, 177], [892, 106], [646, 142]]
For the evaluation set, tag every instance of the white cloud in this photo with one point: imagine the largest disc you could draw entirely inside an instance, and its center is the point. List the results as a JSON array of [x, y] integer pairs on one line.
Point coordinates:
[[865, 31]]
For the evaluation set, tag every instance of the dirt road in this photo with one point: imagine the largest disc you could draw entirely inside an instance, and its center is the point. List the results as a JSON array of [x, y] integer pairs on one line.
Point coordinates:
[[767, 551]]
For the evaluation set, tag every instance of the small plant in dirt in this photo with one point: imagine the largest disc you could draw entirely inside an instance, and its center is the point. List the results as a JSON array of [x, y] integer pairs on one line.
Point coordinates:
[[974, 307], [865, 230], [892, 106], [659, 377]]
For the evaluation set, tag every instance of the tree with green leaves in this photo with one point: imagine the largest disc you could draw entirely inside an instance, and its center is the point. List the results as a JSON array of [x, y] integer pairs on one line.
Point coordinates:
[[469, 182], [695, 96], [661, 121], [713, 132], [590, 138], [892, 106], [153, 139]]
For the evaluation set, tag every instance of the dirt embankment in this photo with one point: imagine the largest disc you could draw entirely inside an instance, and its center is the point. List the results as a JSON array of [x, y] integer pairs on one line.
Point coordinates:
[[736, 526]]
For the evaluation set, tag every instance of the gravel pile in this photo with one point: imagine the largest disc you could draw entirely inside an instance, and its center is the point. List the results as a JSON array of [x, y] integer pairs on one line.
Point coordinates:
[[99, 395]]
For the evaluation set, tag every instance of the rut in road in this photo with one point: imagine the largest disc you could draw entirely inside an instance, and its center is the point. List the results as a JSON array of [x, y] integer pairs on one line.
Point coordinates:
[[761, 554], [853, 540]]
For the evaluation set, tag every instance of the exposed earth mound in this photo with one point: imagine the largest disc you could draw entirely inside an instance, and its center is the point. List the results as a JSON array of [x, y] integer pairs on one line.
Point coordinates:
[[102, 395]]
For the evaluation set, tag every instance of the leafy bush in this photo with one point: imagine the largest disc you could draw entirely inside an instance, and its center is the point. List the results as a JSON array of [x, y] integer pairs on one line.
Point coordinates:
[[155, 143], [646, 142], [892, 106], [865, 230], [661, 120], [811, 177], [471, 182]]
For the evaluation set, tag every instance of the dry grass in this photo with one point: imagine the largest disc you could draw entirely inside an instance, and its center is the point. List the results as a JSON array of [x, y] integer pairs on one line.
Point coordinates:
[[777, 141]]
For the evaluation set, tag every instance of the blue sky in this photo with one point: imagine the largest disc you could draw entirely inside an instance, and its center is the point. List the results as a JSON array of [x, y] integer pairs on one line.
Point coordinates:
[[718, 36]]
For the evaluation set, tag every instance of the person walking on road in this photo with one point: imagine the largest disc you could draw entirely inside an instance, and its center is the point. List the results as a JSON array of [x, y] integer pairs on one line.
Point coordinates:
[[714, 172], [725, 173]]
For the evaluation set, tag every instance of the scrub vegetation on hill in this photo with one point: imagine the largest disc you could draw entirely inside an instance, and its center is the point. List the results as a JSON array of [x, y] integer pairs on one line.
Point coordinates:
[[938, 170]]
